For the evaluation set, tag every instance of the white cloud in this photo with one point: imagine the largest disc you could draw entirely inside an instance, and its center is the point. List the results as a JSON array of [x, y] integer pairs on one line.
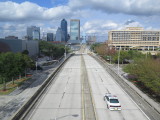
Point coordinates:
[[29, 11], [57, 12], [14, 11], [133, 7], [12, 29], [99, 26], [110, 25]]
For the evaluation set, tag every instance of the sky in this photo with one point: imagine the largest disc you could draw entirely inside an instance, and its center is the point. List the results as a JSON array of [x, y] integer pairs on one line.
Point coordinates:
[[97, 17]]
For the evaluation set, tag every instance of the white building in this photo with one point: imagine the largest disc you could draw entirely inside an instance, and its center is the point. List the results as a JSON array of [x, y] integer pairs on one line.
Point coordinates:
[[59, 35], [134, 38]]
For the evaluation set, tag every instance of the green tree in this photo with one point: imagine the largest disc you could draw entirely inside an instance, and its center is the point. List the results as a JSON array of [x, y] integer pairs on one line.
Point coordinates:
[[123, 55], [20, 64], [7, 67], [147, 72], [26, 52], [51, 50]]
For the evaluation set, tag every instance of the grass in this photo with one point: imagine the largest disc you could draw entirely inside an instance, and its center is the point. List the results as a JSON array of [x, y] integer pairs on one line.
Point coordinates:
[[10, 87]]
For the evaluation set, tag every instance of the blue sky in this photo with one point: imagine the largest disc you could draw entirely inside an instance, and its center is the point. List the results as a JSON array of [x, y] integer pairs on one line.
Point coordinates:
[[43, 3], [97, 16]]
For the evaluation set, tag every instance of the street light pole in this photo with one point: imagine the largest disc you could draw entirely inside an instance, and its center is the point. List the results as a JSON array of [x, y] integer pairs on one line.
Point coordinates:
[[65, 52], [119, 58], [36, 66]]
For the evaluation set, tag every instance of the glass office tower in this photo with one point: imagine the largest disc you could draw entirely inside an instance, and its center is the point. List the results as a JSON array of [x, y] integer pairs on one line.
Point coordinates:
[[75, 29], [64, 29], [33, 32], [49, 36]]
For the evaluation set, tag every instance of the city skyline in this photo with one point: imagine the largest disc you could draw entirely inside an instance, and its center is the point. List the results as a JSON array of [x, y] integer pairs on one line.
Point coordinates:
[[97, 17]]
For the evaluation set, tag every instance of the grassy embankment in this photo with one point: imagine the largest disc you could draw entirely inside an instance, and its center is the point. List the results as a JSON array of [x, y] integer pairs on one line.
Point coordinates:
[[10, 87]]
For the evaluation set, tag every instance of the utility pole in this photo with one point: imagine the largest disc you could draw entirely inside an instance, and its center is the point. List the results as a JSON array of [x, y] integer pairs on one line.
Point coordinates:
[[119, 58]]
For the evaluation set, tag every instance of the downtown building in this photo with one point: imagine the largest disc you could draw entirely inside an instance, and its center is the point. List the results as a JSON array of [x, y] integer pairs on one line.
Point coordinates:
[[33, 33], [64, 29], [59, 35], [19, 45], [91, 40], [134, 38], [50, 37], [74, 31]]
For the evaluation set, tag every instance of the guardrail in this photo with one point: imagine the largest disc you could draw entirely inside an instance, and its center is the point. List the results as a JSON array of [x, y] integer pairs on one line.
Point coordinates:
[[24, 110], [126, 86]]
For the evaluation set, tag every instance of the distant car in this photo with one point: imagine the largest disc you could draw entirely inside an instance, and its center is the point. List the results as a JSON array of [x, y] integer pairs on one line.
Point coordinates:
[[112, 102], [38, 68], [28, 74]]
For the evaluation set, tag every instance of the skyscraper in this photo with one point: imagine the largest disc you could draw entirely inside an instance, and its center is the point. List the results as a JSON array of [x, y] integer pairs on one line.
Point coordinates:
[[33, 33], [64, 29], [75, 29], [49, 36]]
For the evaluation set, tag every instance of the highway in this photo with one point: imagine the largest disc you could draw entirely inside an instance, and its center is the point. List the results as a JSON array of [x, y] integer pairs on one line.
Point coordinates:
[[77, 94], [101, 82]]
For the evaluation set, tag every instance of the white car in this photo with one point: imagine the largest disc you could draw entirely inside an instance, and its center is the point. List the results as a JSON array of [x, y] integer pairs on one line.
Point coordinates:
[[112, 102]]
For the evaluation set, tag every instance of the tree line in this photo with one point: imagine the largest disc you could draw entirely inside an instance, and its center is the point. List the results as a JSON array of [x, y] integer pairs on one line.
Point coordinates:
[[110, 54], [146, 74], [52, 50]]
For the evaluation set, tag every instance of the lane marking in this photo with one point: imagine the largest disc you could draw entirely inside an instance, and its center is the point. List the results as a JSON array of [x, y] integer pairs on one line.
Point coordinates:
[[91, 94], [82, 92]]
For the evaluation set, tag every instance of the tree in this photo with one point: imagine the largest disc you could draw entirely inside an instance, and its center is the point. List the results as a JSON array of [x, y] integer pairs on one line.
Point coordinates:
[[7, 67], [26, 52], [123, 56], [51, 50], [12, 65], [147, 72]]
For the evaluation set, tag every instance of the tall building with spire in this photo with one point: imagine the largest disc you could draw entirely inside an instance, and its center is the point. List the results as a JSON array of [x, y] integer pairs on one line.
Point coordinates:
[[64, 29]]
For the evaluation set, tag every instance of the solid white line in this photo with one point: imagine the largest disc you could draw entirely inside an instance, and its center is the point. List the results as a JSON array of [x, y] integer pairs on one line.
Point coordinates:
[[132, 100]]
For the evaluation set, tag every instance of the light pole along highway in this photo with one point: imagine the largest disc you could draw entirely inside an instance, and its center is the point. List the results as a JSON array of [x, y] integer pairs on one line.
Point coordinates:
[[119, 58]]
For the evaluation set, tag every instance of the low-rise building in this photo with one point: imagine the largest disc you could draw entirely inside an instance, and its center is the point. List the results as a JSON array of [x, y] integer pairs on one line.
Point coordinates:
[[134, 38], [91, 39], [18, 45], [11, 37]]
